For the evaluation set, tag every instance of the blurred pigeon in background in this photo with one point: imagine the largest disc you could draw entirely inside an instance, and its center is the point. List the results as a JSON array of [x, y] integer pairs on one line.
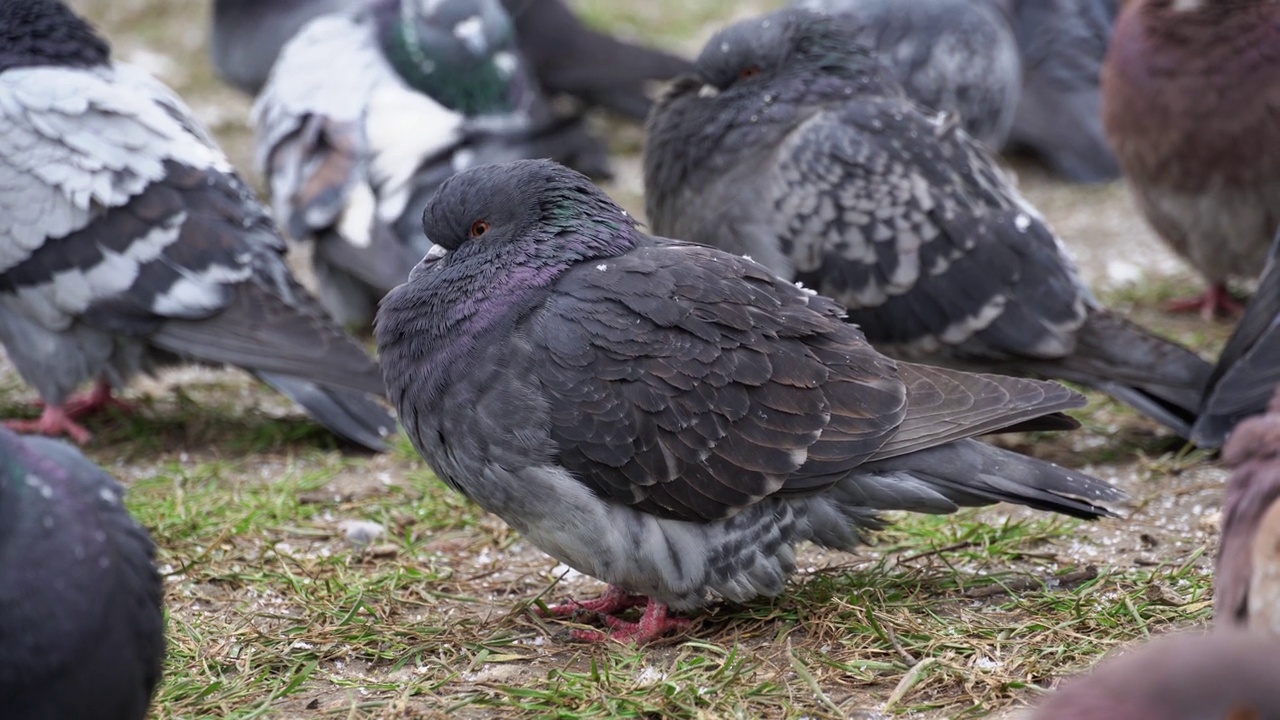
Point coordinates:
[[670, 418], [1059, 114], [80, 600], [247, 34], [1248, 370], [127, 242], [1247, 583], [363, 117], [800, 150], [565, 55], [1231, 673], [1190, 98], [956, 56], [1223, 675]]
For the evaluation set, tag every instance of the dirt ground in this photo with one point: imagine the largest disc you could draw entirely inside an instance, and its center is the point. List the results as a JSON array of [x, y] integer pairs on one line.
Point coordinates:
[[480, 573]]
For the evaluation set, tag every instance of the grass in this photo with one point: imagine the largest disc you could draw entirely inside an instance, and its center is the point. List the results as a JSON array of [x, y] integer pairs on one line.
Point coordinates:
[[274, 612]]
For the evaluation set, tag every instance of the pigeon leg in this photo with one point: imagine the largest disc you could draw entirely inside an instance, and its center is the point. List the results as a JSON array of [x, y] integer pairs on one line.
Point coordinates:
[[615, 600], [99, 398], [53, 421], [655, 623], [1217, 301]]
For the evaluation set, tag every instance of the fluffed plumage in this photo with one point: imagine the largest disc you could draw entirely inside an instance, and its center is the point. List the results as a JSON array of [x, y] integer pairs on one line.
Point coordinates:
[[799, 149], [127, 241], [80, 599], [956, 56], [1189, 96], [365, 114], [671, 418]]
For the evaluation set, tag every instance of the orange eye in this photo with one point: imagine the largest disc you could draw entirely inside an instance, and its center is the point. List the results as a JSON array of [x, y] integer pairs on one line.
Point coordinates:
[[479, 228], [749, 72]]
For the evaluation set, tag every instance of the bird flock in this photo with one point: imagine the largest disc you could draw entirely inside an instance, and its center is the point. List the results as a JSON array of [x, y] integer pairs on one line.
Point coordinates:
[[839, 291]]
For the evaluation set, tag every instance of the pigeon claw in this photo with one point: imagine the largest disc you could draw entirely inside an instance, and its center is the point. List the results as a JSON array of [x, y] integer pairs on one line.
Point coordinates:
[[54, 421], [615, 600], [655, 623], [1216, 302]]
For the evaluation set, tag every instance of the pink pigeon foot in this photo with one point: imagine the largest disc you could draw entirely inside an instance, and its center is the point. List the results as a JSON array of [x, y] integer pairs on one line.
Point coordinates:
[[654, 624], [97, 399], [1215, 302], [54, 421], [615, 600]]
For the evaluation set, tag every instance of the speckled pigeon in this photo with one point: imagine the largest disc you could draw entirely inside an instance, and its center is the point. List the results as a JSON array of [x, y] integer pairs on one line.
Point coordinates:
[[364, 115], [958, 56], [797, 148], [1248, 370], [566, 56], [80, 599], [671, 418], [127, 242], [1059, 117], [1190, 103]]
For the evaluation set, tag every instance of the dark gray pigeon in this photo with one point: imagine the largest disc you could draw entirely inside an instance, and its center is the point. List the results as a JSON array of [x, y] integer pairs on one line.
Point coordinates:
[[566, 56], [364, 115], [80, 600], [671, 418], [1222, 675], [598, 69], [1247, 583], [248, 34], [957, 56], [127, 242], [1059, 116], [1248, 370], [797, 148]]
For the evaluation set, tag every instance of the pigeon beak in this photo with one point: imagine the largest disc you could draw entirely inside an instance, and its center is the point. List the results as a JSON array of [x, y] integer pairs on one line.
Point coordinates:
[[708, 91], [429, 260]]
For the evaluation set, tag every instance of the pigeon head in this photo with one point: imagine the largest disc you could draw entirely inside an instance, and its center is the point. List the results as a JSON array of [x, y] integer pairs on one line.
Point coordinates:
[[751, 56], [528, 211], [460, 52], [36, 33]]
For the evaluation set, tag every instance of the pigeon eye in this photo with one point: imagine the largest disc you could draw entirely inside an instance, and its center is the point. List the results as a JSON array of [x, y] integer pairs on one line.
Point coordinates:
[[479, 228], [749, 72]]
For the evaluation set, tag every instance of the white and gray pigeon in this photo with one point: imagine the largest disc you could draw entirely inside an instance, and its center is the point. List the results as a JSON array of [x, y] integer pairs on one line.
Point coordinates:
[[798, 148], [567, 56], [363, 116], [956, 56], [127, 242], [671, 418], [1248, 369], [80, 599]]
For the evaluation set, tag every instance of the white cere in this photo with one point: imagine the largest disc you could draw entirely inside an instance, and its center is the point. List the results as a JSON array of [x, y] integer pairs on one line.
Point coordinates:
[[602, 267], [1022, 222]]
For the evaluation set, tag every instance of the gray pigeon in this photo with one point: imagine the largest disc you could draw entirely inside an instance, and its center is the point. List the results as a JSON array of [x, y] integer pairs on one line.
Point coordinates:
[[80, 599], [1222, 675], [671, 418], [247, 34], [799, 149], [957, 56], [1059, 115], [1248, 370], [566, 56], [365, 114], [127, 242]]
